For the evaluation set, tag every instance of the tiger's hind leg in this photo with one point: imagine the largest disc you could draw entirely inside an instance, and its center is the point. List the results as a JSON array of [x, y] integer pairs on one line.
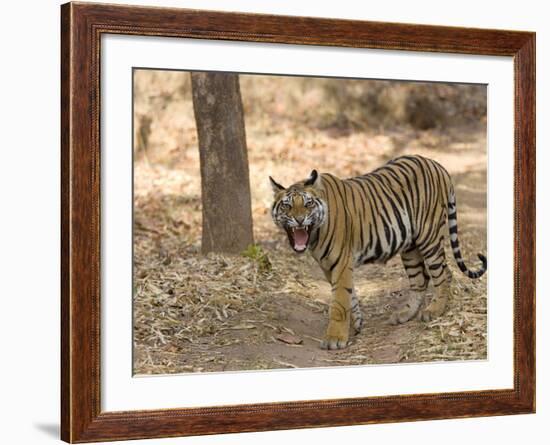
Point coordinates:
[[418, 279], [441, 278]]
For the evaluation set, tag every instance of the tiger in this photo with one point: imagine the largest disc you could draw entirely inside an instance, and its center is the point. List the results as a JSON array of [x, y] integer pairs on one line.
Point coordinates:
[[401, 208]]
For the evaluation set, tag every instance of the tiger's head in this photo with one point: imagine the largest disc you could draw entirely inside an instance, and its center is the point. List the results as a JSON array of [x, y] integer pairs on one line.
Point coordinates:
[[299, 209]]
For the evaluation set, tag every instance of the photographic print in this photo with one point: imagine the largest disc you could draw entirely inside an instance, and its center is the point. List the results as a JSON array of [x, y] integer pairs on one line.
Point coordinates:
[[262, 204], [297, 222]]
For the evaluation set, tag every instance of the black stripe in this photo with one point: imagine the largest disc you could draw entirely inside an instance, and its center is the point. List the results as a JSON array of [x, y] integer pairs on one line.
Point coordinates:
[[345, 226], [378, 248], [328, 246], [433, 250], [387, 223], [415, 200], [414, 275], [330, 227], [360, 191], [435, 277], [405, 196]]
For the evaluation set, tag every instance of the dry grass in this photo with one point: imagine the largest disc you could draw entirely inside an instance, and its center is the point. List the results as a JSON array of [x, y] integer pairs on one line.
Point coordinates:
[[195, 313]]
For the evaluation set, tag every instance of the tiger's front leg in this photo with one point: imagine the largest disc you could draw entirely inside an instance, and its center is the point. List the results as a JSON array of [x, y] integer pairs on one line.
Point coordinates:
[[337, 334]]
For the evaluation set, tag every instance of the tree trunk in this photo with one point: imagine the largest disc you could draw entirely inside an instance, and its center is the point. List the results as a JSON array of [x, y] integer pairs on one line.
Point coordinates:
[[225, 185]]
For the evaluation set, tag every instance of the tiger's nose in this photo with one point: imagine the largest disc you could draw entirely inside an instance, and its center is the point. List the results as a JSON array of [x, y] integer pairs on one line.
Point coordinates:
[[299, 220]]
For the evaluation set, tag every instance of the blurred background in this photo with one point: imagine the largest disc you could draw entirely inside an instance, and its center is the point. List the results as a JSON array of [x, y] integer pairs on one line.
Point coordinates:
[[267, 307]]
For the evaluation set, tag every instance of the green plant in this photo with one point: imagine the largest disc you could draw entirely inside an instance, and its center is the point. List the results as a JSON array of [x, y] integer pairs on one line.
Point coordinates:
[[259, 256]]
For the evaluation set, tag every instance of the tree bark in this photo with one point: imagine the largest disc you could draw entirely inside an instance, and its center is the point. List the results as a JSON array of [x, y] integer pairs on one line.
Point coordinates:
[[225, 184]]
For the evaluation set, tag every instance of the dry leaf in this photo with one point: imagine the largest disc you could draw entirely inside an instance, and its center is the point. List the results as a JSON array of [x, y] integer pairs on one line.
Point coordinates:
[[289, 338], [241, 326]]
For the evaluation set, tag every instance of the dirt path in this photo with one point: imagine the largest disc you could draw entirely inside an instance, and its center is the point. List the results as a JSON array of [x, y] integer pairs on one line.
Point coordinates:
[[261, 333]]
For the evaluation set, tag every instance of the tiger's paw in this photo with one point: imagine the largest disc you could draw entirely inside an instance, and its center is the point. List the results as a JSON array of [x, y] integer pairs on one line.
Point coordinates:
[[434, 310], [333, 343], [400, 317], [408, 311], [337, 336]]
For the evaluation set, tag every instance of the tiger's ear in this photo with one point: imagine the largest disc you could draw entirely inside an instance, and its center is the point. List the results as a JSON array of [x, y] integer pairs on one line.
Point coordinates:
[[313, 179], [275, 185]]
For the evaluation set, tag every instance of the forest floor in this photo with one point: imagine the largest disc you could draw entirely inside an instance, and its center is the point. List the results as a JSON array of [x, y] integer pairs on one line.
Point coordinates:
[[195, 313]]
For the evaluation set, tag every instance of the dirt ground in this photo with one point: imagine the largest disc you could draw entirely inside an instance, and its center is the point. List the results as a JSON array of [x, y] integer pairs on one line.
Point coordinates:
[[195, 313]]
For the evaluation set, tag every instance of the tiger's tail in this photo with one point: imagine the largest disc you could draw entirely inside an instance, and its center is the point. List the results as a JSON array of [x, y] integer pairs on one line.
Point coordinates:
[[453, 232]]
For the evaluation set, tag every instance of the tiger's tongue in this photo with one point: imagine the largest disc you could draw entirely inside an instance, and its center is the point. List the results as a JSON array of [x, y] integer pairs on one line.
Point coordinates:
[[300, 239]]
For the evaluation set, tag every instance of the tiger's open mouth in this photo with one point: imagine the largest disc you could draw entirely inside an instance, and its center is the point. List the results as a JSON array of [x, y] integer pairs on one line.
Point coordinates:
[[298, 237]]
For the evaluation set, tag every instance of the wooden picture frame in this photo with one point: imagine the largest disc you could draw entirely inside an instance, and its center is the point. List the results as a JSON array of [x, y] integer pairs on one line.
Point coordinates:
[[82, 26]]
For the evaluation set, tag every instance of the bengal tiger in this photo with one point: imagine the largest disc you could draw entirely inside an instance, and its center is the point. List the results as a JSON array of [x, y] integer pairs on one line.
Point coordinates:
[[399, 208]]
